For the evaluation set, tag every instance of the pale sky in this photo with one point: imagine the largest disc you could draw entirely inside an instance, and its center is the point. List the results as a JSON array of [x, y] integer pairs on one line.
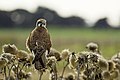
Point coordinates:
[[90, 10]]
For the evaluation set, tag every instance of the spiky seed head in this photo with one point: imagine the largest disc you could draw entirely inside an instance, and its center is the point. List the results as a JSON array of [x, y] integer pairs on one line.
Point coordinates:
[[30, 57], [3, 62], [65, 53], [116, 60], [93, 58], [83, 57], [103, 64], [111, 65], [51, 60], [116, 56], [7, 48], [54, 52], [8, 56], [22, 54], [92, 46], [114, 74], [106, 75]]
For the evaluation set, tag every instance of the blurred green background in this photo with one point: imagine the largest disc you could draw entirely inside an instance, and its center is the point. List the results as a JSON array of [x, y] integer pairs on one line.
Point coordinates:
[[74, 39]]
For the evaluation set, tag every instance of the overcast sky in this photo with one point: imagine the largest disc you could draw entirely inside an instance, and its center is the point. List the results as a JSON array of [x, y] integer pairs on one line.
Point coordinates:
[[90, 10]]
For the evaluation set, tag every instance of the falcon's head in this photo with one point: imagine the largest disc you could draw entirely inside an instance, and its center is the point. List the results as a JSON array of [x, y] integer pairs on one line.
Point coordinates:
[[41, 23]]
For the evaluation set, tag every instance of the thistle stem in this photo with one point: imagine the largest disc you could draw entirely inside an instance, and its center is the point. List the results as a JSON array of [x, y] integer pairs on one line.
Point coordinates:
[[64, 69]]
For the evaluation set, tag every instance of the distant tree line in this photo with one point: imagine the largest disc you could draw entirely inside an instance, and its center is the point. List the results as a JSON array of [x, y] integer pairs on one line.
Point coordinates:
[[24, 19]]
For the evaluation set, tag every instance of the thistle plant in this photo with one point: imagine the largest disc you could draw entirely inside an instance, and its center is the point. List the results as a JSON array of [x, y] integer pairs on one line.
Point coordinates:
[[13, 61], [84, 65]]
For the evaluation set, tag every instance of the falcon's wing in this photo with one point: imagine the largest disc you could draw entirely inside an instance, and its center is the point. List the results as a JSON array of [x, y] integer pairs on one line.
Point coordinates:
[[31, 41], [47, 41], [28, 43]]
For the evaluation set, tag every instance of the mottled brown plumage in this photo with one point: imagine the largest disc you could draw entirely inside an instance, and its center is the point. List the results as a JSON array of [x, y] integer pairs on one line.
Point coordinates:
[[39, 41]]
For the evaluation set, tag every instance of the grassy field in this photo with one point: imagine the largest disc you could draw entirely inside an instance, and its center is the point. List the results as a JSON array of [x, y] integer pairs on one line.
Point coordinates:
[[74, 39]]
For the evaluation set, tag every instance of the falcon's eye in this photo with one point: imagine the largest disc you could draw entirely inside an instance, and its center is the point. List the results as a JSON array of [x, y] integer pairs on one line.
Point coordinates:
[[39, 24], [43, 23]]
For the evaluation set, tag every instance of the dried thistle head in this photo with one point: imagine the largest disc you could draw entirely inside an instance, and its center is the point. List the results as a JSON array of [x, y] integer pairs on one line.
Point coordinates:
[[30, 57], [106, 75], [83, 57], [9, 57], [103, 64], [116, 61], [54, 52], [22, 55], [93, 57], [65, 53], [51, 60], [7, 48], [111, 65], [92, 46], [116, 56], [28, 60], [114, 74]]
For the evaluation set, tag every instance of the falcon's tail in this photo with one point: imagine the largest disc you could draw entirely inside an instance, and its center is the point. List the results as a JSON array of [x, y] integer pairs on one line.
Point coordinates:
[[38, 66], [38, 57]]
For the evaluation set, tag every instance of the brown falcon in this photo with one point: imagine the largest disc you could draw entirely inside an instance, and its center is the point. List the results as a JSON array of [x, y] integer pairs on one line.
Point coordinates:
[[39, 42]]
